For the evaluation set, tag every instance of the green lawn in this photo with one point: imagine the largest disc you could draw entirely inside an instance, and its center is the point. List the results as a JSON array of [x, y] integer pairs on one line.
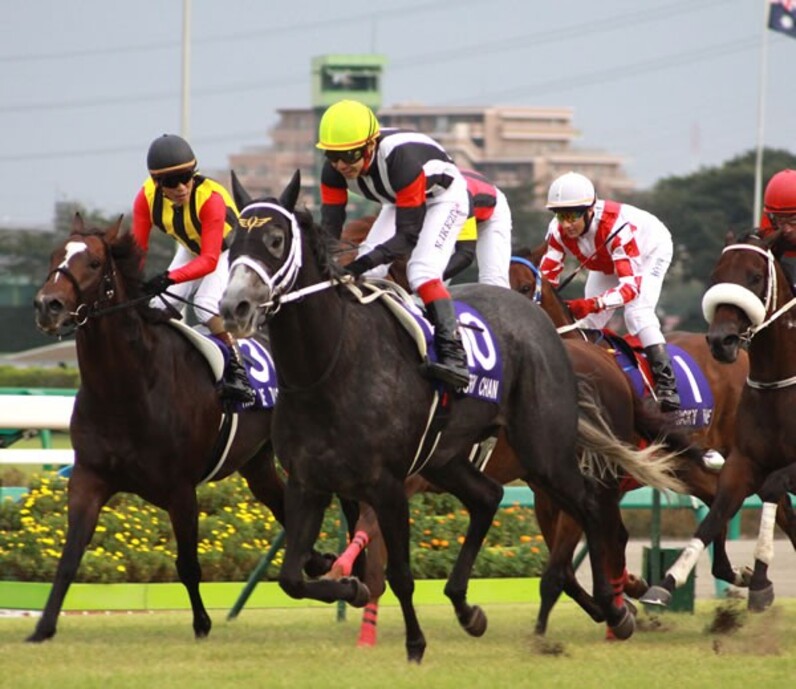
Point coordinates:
[[306, 647]]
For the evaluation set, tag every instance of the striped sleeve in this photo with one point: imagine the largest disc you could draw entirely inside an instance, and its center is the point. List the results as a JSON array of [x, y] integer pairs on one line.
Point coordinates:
[[623, 247], [552, 262]]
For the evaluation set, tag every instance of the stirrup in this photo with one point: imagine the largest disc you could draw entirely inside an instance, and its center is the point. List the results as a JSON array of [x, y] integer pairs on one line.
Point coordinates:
[[450, 376]]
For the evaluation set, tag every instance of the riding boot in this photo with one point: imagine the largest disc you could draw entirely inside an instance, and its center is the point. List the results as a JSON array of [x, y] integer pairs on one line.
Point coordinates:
[[236, 386], [663, 373], [451, 364]]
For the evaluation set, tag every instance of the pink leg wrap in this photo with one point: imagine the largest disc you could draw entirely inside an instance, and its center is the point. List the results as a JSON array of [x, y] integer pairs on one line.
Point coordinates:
[[367, 632], [346, 561]]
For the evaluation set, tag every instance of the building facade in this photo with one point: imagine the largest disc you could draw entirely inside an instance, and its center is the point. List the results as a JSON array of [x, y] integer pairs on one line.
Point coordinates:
[[513, 146]]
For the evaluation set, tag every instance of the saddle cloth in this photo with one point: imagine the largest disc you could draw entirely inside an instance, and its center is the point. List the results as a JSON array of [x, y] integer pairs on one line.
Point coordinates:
[[696, 397], [256, 358]]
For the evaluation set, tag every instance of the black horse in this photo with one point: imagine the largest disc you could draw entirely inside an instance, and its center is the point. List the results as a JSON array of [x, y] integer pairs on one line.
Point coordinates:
[[147, 416], [354, 406]]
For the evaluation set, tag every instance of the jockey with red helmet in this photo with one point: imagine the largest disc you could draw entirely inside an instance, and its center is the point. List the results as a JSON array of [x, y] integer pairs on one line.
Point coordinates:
[[627, 252], [198, 213], [424, 205]]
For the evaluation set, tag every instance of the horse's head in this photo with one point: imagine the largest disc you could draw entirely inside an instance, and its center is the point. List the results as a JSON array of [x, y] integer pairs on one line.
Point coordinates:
[[525, 278], [79, 280], [747, 286], [264, 258]]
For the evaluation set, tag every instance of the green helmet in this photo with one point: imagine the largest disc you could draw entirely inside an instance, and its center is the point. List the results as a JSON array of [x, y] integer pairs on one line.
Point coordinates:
[[169, 153], [347, 125]]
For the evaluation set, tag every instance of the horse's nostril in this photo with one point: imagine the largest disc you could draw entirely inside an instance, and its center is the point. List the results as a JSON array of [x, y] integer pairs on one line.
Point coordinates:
[[242, 309], [55, 306]]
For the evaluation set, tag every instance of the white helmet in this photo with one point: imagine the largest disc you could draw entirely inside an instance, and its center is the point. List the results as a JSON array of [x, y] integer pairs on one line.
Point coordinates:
[[571, 190]]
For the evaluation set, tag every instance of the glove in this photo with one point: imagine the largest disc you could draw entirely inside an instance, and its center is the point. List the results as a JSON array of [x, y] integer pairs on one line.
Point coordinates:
[[360, 265], [580, 308], [160, 283]]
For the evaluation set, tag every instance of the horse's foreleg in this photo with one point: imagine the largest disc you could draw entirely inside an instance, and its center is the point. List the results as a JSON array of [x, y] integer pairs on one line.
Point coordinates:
[[304, 516], [481, 496], [392, 510], [87, 493], [729, 497], [184, 513], [562, 535], [267, 486], [761, 590]]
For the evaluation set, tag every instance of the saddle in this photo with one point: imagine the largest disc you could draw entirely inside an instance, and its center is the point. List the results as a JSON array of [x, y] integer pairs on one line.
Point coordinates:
[[696, 397]]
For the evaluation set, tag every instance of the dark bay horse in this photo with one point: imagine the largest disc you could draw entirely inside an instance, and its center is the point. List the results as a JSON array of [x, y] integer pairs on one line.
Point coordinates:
[[146, 415], [354, 407], [750, 303]]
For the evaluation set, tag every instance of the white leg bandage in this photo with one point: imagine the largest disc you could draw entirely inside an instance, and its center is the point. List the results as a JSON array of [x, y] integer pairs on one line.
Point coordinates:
[[686, 562], [764, 550]]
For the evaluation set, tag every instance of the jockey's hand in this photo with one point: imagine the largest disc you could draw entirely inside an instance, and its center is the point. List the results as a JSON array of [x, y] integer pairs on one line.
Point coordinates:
[[160, 283], [358, 266], [580, 308]]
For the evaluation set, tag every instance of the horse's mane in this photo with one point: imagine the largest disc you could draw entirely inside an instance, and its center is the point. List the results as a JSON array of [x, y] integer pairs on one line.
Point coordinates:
[[324, 247]]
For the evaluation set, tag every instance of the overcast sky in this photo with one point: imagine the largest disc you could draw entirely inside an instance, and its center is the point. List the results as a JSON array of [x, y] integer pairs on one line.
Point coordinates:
[[671, 85]]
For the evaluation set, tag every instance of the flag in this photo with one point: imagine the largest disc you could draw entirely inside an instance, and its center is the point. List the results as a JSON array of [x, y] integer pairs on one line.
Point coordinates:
[[782, 17]]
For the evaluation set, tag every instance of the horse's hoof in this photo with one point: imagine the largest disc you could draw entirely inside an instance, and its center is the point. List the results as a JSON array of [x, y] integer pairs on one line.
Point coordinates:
[[476, 625], [635, 587], [415, 651], [656, 595], [742, 577], [361, 592], [631, 606], [760, 600], [624, 630]]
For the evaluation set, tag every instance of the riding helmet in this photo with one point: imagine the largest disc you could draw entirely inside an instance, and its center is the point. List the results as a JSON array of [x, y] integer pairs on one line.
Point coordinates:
[[571, 190], [780, 196], [169, 153], [346, 126]]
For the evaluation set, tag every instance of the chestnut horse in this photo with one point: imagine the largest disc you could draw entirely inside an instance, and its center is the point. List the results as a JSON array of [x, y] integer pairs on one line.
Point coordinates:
[[147, 414], [750, 303]]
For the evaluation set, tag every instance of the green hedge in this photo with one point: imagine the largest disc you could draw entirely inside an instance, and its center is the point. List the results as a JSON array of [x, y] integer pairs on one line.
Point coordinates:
[[35, 377], [134, 543]]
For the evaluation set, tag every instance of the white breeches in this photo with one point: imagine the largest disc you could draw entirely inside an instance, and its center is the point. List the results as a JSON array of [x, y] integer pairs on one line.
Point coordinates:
[[493, 248], [445, 215]]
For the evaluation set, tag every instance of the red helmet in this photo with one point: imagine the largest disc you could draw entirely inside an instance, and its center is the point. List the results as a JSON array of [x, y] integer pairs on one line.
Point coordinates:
[[780, 196]]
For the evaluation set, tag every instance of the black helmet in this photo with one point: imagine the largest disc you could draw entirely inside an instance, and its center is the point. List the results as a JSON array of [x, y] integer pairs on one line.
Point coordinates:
[[169, 153]]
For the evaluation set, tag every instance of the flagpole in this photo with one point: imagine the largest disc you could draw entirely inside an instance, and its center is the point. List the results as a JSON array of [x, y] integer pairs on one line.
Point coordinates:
[[761, 116]]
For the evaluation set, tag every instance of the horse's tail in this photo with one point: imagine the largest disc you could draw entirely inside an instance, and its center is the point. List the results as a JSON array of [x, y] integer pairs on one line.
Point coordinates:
[[601, 454]]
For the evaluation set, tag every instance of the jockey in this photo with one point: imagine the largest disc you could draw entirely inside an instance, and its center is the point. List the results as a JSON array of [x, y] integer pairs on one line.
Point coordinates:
[[487, 235], [627, 251], [424, 205], [198, 213], [779, 213]]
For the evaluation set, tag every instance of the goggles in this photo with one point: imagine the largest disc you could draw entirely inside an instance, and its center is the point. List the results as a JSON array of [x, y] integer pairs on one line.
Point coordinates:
[[348, 157], [175, 179], [778, 220], [570, 215]]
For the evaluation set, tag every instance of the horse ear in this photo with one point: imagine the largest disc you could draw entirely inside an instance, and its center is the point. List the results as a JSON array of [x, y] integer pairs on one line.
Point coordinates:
[[77, 224], [241, 196], [113, 231], [729, 238], [290, 195]]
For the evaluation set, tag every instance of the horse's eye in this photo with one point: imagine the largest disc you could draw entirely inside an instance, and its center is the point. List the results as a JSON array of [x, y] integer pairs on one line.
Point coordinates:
[[756, 279], [524, 289], [275, 243], [95, 264]]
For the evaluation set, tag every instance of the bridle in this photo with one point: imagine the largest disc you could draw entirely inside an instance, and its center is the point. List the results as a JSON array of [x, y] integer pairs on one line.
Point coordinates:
[[281, 287], [103, 304], [760, 312]]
